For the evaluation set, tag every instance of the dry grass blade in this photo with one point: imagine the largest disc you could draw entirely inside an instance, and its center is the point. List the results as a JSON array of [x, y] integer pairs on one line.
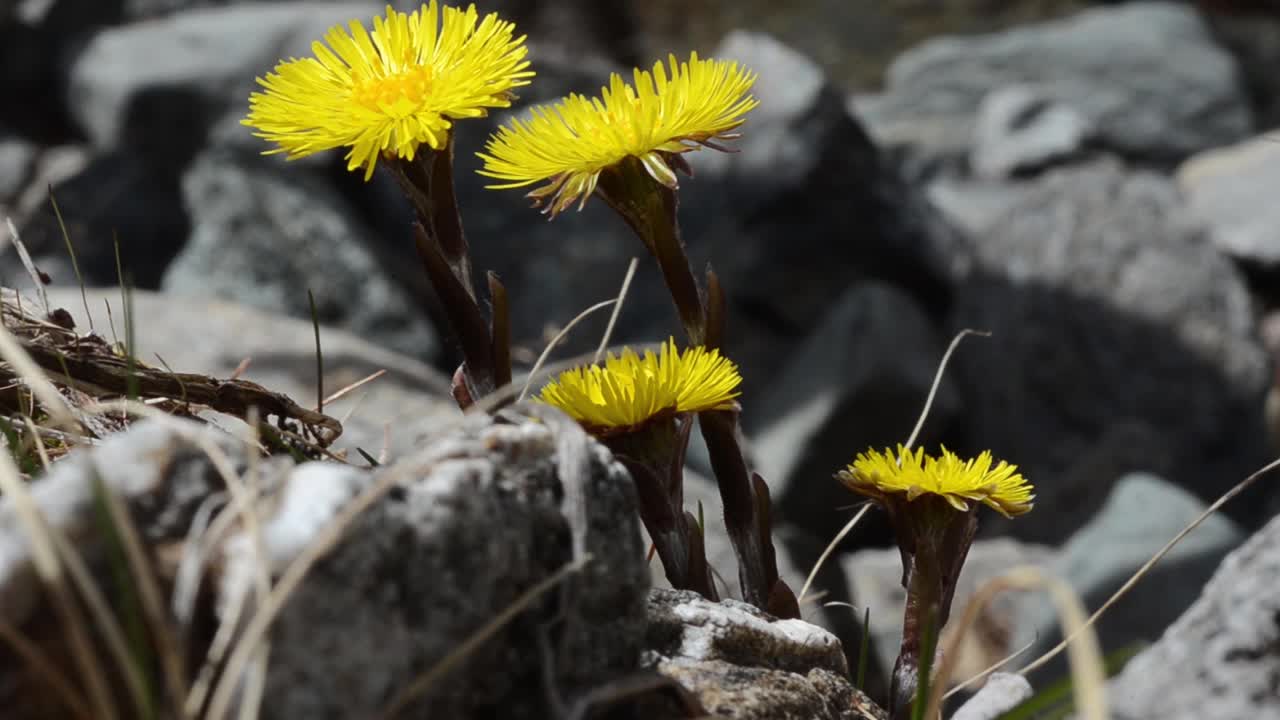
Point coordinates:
[[1146, 567], [473, 641], [107, 624], [831, 546], [546, 352], [937, 382], [343, 392], [29, 265], [71, 253], [1089, 681], [44, 557], [36, 660], [617, 308], [255, 631], [145, 582]]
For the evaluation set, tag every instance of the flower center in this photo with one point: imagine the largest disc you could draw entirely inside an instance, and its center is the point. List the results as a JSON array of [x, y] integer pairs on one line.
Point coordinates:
[[397, 95]]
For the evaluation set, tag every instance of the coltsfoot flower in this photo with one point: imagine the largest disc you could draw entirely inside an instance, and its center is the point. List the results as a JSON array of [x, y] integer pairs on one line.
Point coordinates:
[[663, 114], [630, 390], [390, 91], [959, 482]]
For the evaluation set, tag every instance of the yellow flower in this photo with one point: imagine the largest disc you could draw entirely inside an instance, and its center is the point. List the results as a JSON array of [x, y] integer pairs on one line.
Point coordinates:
[[388, 92], [629, 389], [956, 481], [569, 144]]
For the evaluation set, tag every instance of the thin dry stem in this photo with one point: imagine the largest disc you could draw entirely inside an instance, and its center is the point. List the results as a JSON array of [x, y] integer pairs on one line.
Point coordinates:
[[546, 352], [617, 308], [1146, 567], [937, 382], [990, 669], [831, 546]]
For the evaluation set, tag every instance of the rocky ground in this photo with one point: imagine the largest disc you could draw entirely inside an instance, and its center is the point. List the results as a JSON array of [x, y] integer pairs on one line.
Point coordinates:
[[1090, 182]]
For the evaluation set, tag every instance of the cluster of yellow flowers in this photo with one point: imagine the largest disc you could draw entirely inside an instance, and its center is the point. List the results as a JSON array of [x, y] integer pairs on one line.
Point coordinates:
[[386, 93]]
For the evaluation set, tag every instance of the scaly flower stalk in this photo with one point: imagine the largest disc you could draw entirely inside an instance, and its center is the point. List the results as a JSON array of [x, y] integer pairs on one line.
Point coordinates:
[[932, 503]]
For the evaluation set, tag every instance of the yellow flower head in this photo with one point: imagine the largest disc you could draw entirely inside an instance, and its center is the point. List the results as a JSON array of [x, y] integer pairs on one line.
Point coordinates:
[[956, 481], [629, 389], [390, 91], [695, 104]]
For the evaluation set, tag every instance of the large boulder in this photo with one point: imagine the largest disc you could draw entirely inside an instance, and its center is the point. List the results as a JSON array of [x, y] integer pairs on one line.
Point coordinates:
[[1221, 659], [1228, 190], [413, 576]]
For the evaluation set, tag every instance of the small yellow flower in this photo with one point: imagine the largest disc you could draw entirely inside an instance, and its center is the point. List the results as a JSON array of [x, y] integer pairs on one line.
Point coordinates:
[[699, 102], [388, 92], [956, 481], [629, 389]]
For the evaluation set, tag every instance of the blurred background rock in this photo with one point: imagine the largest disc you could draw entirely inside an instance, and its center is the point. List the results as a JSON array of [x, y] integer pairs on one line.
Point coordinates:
[[1093, 182]]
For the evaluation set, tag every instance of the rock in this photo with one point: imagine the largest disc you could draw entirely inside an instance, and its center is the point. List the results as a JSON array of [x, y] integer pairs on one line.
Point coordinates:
[[1226, 190], [1001, 693], [1101, 295], [1019, 128], [213, 53], [796, 551], [17, 159], [427, 566], [743, 664], [415, 574], [264, 236], [875, 582], [213, 337], [852, 42], [1221, 659], [1142, 513], [860, 380], [1146, 75]]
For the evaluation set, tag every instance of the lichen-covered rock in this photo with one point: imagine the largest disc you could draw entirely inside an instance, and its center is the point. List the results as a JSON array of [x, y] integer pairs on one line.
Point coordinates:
[[449, 538], [742, 664], [472, 521], [1221, 659]]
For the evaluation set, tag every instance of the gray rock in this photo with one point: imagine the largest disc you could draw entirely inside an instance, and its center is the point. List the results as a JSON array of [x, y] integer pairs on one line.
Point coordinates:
[[263, 237], [212, 52], [1001, 693], [875, 582], [859, 380], [155, 467], [1221, 659], [1020, 128], [1142, 513], [1147, 75], [17, 159], [741, 663], [418, 571], [1101, 295], [214, 337], [1227, 190], [427, 566]]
